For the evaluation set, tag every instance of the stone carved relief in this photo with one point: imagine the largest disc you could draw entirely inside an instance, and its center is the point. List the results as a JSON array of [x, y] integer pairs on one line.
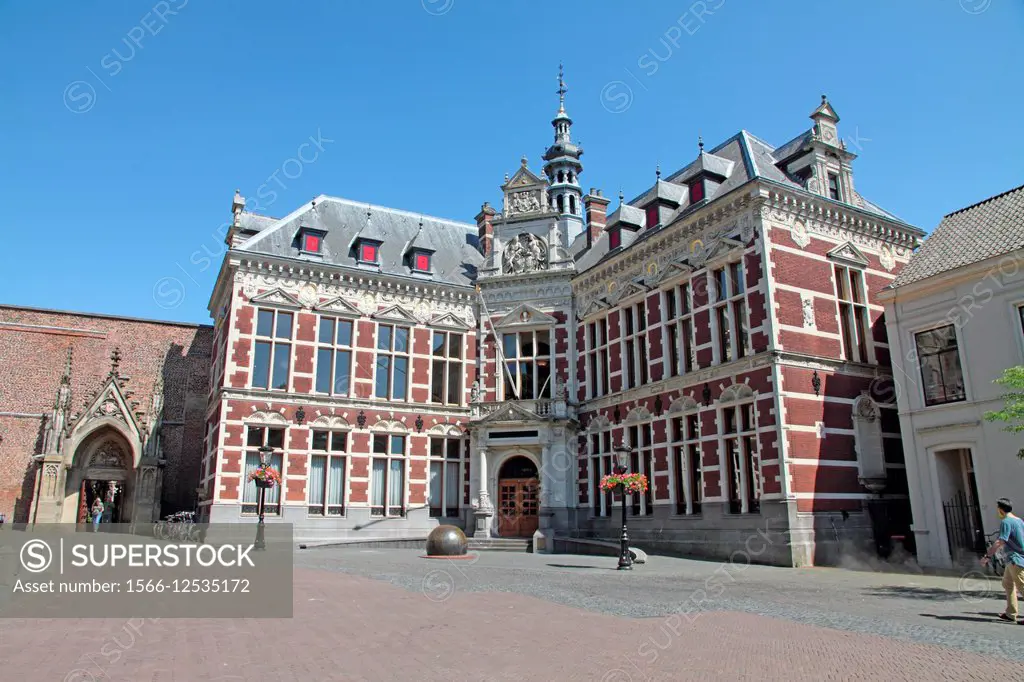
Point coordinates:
[[525, 253], [807, 303], [522, 202], [308, 296], [887, 259], [799, 234], [109, 408], [110, 455]]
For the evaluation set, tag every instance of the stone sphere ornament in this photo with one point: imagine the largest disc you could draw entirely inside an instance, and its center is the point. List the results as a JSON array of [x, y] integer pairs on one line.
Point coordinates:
[[447, 541]]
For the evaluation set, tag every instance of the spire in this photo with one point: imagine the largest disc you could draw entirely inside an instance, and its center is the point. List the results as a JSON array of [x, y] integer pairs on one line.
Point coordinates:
[[561, 89], [66, 378]]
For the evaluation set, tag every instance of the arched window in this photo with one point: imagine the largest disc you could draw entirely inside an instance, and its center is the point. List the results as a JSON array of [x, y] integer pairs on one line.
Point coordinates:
[[561, 204], [561, 176], [572, 204], [569, 176]]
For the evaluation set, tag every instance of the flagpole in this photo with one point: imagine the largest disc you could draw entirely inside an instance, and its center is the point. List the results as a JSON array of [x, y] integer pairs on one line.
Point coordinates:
[[497, 344]]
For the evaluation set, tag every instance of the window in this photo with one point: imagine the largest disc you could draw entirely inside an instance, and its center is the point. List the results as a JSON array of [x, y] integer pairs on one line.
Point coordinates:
[[369, 251], [642, 462], [527, 365], [334, 356], [730, 313], [696, 191], [272, 358], [615, 238], [652, 215], [388, 476], [255, 438], [421, 261], [853, 313], [561, 203], [326, 486], [634, 346], [596, 358], [1020, 314], [939, 355], [447, 475], [446, 368], [739, 445], [833, 186], [686, 449], [311, 242], [601, 464], [392, 382], [679, 330], [572, 204]]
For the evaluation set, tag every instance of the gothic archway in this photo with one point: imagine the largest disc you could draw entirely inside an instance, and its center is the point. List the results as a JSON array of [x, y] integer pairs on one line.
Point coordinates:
[[102, 466]]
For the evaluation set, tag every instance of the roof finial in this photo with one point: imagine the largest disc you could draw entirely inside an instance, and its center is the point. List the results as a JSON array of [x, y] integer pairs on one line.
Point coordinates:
[[824, 99], [657, 172], [115, 360], [523, 161], [561, 88], [66, 379], [421, 221], [700, 143], [621, 196]]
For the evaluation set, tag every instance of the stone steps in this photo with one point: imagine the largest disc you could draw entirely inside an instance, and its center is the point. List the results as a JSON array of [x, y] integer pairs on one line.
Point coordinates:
[[501, 544]]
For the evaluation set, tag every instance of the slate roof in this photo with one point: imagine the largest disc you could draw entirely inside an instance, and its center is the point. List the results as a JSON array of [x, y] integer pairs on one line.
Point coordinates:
[[455, 260], [741, 158], [985, 230]]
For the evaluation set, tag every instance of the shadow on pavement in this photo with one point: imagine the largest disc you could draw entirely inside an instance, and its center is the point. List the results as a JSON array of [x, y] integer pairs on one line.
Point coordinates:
[[592, 568], [933, 593], [980, 618]]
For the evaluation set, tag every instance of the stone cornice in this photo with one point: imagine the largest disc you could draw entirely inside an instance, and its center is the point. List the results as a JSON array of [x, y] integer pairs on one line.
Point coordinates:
[[260, 264], [669, 238], [310, 403], [776, 199]]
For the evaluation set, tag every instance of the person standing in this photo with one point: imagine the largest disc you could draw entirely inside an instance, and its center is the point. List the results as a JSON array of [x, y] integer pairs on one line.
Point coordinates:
[[97, 514], [1011, 537]]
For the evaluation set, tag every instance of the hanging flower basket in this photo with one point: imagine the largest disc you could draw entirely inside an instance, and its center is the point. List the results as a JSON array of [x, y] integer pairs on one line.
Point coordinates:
[[633, 483], [265, 477]]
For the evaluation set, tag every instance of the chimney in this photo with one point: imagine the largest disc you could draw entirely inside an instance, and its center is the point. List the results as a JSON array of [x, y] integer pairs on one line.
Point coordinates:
[[595, 207], [485, 228]]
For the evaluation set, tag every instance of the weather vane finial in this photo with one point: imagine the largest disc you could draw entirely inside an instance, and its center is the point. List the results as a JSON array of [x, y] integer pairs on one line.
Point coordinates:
[[561, 87]]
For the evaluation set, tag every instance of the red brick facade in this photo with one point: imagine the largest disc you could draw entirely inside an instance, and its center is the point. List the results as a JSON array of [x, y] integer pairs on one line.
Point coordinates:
[[34, 345]]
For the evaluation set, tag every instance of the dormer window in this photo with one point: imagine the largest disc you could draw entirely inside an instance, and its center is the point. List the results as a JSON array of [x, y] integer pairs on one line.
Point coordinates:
[[696, 190], [615, 238], [369, 251], [421, 260], [311, 241], [653, 217]]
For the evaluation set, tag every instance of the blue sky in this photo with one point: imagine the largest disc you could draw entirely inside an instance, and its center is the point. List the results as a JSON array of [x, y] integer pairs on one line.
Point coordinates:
[[126, 126]]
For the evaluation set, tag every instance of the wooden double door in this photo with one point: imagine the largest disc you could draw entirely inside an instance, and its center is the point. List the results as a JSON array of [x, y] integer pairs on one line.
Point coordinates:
[[518, 504]]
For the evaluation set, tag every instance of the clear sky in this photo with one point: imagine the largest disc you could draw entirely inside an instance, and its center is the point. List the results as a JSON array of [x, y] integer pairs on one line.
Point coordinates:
[[125, 127]]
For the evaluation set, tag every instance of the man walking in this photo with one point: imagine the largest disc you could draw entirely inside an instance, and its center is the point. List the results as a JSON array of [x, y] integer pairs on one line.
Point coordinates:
[[1011, 537]]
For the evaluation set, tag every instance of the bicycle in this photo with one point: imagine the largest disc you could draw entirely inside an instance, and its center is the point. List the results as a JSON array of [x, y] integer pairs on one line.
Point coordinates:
[[996, 562], [179, 526]]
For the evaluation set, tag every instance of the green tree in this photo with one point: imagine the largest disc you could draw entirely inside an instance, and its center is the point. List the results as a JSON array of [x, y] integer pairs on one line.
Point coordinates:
[[1013, 408]]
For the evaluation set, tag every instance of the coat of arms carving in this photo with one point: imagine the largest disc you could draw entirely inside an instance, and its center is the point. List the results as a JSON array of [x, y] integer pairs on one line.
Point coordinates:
[[525, 253]]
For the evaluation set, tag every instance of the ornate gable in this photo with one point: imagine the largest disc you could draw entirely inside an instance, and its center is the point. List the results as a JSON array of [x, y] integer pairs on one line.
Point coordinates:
[[339, 306], [525, 193], [525, 315], [510, 412], [450, 321], [849, 254], [395, 313], [278, 298], [111, 402]]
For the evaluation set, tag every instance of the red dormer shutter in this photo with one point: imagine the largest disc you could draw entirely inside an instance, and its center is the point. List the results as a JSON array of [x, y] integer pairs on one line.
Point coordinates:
[[422, 262], [615, 238], [368, 253], [652, 215], [311, 243], [696, 191]]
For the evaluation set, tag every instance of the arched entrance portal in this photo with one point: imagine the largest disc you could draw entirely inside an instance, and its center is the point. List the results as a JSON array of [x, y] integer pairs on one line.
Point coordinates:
[[518, 498], [102, 468]]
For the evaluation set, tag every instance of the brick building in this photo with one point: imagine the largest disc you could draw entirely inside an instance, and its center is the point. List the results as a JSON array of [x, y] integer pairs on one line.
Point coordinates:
[[724, 325], [98, 405]]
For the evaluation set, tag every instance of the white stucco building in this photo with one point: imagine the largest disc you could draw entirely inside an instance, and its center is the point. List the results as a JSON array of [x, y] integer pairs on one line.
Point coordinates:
[[955, 317]]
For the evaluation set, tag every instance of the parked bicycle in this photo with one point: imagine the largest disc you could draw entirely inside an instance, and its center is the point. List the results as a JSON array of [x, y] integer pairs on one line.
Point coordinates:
[[997, 562], [180, 527]]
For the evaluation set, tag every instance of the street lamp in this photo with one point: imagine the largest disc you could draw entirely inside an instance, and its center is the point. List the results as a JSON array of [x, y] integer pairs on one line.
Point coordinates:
[[622, 457], [262, 484]]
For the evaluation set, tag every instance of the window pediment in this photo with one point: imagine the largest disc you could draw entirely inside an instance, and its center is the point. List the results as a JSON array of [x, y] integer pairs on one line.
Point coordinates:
[[276, 298], [849, 254], [525, 316]]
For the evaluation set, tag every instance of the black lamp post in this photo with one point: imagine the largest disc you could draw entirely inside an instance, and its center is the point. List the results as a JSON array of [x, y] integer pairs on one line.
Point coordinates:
[[261, 484], [622, 466]]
